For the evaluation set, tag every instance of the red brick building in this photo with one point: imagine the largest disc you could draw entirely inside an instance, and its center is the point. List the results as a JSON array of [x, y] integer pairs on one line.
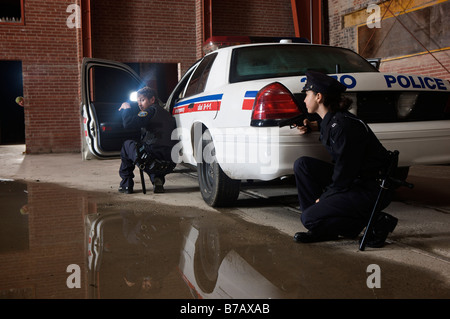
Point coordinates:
[[45, 41], [412, 36]]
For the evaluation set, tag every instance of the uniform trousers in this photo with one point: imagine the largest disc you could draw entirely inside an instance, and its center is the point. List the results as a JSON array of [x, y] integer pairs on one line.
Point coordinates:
[[128, 156], [343, 213]]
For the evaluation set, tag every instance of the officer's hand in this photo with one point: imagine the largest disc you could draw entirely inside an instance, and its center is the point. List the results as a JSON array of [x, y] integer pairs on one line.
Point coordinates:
[[125, 105], [308, 127], [305, 128]]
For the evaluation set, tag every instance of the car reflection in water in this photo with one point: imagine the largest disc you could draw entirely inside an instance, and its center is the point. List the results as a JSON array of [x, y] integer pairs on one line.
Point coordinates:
[[136, 255], [211, 274]]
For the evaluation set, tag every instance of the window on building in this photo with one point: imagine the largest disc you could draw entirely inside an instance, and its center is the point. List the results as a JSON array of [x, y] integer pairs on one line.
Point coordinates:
[[11, 12]]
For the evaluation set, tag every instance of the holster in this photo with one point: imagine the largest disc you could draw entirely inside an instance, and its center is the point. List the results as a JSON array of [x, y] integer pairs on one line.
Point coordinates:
[[147, 163], [142, 157]]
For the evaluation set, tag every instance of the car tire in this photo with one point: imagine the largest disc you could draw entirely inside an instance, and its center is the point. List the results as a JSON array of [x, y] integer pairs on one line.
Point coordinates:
[[207, 259], [217, 189]]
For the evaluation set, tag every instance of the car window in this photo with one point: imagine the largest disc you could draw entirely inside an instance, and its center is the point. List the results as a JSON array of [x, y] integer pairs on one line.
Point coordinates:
[[181, 86], [198, 80], [179, 89], [111, 85], [259, 62]]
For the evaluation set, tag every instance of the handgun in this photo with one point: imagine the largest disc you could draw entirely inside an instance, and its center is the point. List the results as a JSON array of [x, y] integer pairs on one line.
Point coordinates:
[[293, 121]]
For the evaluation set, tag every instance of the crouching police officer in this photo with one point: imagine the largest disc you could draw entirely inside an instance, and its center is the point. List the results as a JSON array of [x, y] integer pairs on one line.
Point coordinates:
[[156, 125], [337, 198]]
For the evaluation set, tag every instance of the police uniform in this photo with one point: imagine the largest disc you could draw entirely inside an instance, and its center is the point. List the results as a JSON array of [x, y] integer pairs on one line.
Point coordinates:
[[347, 188], [156, 125]]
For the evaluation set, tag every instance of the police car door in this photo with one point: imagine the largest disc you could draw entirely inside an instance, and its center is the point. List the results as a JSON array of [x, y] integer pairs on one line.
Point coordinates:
[[191, 105], [192, 102], [105, 85]]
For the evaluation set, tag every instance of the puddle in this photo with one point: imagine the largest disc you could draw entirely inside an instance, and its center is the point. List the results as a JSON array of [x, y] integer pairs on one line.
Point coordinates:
[[57, 242]]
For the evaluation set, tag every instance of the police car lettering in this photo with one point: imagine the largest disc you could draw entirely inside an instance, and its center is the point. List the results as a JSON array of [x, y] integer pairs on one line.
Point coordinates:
[[348, 80], [205, 103], [415, 82], [204, 106]]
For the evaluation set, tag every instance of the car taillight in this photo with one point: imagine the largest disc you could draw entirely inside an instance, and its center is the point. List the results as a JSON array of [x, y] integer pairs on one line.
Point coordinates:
[[273, 102]]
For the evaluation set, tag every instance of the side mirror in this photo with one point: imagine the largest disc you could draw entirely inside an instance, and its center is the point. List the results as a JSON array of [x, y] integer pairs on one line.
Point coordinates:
[[375, 62]]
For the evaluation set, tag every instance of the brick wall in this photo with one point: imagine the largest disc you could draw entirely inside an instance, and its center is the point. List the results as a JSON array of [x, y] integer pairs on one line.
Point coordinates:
[[145, 31], [424, 64], [253, 18], [171, 31], [339, 35], [345, 17], [50, 55]]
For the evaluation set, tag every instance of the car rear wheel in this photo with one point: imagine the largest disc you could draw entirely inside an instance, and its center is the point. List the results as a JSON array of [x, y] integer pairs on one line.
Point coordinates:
[[207, 258], [217, 189]]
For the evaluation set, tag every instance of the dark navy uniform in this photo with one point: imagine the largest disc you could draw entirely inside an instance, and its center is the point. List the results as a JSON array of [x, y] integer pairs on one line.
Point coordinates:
[[157, 126], [337, 198], [347, 187]]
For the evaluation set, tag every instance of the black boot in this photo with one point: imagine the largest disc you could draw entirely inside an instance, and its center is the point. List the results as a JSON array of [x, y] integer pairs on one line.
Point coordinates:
[[158, 185], [126, 190], [384, 225]]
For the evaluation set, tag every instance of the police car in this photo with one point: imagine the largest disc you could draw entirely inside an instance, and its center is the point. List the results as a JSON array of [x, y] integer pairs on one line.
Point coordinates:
[[229, 103]]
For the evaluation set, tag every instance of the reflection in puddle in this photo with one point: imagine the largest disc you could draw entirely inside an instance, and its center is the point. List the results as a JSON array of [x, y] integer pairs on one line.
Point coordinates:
[[14, 234], [134, 255], [130, 249]]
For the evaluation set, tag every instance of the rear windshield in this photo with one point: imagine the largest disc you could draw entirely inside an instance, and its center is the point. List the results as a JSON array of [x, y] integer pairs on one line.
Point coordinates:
[[260, 62]]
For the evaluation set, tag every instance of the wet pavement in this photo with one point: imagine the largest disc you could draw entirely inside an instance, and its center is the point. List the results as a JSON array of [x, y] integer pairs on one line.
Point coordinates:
[[58, 242]]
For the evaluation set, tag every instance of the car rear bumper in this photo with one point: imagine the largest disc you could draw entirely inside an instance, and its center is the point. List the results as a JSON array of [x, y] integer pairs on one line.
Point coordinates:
[[270, 153], [263, 153], [419, 143]]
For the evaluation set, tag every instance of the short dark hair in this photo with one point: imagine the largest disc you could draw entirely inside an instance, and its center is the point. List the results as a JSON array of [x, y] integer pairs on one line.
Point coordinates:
[[337, 102], [148, 92]]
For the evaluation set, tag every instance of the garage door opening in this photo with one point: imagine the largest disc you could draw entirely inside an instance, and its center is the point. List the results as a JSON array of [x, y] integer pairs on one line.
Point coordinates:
[[12, 124]]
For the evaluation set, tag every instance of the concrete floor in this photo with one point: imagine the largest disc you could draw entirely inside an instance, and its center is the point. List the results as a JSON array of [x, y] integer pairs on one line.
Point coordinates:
[[420, 244]]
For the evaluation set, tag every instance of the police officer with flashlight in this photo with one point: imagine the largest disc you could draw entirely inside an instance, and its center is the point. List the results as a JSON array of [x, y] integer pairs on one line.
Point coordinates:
[[156, 125]]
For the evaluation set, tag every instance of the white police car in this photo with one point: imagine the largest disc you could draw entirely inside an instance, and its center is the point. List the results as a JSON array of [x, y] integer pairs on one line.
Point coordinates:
[[229, 103]]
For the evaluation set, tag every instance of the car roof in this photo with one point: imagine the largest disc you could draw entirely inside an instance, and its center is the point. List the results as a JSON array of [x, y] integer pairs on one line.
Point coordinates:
[[232, 47]]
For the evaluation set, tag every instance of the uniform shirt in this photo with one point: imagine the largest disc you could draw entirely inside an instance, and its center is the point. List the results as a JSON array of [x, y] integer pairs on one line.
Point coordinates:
[[356, 152], [158, 125]]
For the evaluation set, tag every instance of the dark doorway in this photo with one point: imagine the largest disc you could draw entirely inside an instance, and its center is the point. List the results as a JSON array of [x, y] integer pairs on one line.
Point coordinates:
[[12, 126]]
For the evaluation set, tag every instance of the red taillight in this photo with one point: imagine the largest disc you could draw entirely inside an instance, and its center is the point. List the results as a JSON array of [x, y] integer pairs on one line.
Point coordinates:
[[274, 101]]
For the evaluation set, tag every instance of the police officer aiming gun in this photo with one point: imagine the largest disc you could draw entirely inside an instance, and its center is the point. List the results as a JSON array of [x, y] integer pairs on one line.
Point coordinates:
[[336, 198]]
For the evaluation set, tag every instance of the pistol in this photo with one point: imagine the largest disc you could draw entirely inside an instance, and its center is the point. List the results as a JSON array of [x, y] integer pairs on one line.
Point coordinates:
[[293, 121]]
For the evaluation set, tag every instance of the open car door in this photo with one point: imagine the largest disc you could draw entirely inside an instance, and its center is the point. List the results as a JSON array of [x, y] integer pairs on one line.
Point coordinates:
[[105, 85]]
